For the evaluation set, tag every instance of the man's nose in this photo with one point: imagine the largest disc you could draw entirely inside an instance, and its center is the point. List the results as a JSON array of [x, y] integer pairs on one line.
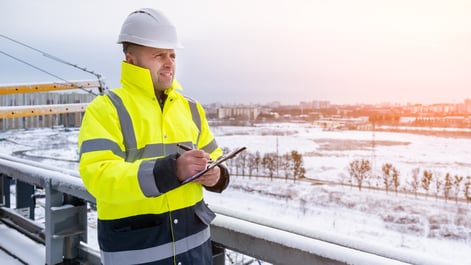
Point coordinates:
[[169, 60]]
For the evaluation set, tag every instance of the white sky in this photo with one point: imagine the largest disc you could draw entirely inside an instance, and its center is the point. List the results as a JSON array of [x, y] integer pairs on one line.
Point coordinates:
[[244, 51]]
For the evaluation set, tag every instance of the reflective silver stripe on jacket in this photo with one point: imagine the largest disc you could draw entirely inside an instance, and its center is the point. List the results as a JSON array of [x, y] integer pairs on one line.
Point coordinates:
[[148, 151], [99, 145], [195, 116], [125, 121], [148, 186], [155, 253], [209, 148]]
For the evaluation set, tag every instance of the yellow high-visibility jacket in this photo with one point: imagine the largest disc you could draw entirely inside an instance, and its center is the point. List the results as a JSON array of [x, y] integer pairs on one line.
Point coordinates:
[[128, 150]]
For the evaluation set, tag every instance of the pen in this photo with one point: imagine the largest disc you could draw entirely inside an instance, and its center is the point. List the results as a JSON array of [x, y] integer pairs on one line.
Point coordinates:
[[187, 148], [184, 147]]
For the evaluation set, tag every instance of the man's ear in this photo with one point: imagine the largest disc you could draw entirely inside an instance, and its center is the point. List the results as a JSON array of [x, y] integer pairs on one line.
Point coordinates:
[[129, 58]]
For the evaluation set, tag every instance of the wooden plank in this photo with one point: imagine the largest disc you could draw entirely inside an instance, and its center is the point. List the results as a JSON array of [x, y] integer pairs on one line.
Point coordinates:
[[32, 88], [36, 110]]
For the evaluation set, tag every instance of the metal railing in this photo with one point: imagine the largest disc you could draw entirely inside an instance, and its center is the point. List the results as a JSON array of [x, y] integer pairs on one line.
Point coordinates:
[[65, 231], [39, 105]]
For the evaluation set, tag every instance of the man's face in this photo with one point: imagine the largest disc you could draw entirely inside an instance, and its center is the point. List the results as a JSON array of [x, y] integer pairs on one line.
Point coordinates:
[[160, 62]]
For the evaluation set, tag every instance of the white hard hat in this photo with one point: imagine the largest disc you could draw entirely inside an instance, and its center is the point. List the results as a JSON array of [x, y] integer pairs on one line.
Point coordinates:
[[149, 27]]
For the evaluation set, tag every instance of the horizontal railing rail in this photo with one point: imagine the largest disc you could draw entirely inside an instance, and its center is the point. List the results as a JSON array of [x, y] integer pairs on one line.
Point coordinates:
[[36, 110], [276, 242], [42, 87]]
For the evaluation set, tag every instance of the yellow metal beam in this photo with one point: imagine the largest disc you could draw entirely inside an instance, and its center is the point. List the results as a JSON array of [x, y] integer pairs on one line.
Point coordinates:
[[36, 110], [31, 88]]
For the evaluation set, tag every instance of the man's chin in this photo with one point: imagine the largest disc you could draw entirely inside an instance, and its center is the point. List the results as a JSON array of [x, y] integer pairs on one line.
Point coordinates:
[[162, 87]]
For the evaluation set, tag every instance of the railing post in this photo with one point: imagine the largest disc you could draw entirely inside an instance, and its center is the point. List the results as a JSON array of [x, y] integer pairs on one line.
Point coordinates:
[[219, 254], [54, 250], [5, 190], [25, 199], [77, 225], [66, 225]]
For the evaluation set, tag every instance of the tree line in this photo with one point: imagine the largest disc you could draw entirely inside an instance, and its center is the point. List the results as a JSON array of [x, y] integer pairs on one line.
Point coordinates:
[[449, 186], [272, 165], [290, 165]]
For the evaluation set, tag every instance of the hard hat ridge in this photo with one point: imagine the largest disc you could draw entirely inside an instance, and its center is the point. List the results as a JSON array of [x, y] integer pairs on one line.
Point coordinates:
[[149, 27]]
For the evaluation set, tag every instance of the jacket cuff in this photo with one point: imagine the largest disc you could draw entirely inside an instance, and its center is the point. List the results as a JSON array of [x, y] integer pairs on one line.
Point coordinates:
[[165, 175], [223, 181]]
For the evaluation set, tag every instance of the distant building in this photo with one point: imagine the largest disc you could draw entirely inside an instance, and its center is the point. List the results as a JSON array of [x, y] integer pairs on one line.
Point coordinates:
[[336, 122], [467, 106], [238, 113], [315, 104]]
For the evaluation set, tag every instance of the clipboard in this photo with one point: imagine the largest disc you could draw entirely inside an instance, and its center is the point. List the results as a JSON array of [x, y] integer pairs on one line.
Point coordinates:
[[214, 164]]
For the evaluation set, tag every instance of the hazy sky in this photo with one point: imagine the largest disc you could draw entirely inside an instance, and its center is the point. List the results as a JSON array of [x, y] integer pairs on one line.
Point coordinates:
[[258, 51]]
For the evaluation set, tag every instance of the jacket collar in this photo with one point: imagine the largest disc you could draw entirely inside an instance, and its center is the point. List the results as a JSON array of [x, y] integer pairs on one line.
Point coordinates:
[[139, 80]]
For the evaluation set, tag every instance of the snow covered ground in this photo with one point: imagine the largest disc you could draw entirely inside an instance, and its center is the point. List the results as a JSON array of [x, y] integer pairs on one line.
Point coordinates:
[[428, 226]]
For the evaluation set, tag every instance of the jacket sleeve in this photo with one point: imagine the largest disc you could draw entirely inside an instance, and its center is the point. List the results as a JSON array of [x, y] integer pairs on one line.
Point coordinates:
[[164, 173], [103, 169], [223, 181]]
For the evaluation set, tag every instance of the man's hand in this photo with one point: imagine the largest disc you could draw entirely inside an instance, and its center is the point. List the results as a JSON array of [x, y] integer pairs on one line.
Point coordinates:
[[210, 178], [192, 162]]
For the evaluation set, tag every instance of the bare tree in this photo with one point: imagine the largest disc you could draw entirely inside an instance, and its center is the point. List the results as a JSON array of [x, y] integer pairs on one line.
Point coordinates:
[[298, 165], [242, 162], [257, 162], [438, 180], [250, 164], [359, 170], [269, 163], [395, 178], [278, 163], [427, 180], [387, 181], [448, 186], [415, 182], [467, 189], [457, 185], [287, 165]]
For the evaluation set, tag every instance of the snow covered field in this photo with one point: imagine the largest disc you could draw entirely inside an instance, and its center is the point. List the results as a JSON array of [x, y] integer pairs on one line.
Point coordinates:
[[427, 226]]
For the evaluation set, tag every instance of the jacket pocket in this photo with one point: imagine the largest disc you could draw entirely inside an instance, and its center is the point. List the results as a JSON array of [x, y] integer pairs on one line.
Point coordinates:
[[205, 214], [133, 233]]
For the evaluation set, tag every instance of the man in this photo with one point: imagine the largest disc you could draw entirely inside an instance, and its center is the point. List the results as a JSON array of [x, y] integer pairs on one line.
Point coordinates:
[[130, 161]]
